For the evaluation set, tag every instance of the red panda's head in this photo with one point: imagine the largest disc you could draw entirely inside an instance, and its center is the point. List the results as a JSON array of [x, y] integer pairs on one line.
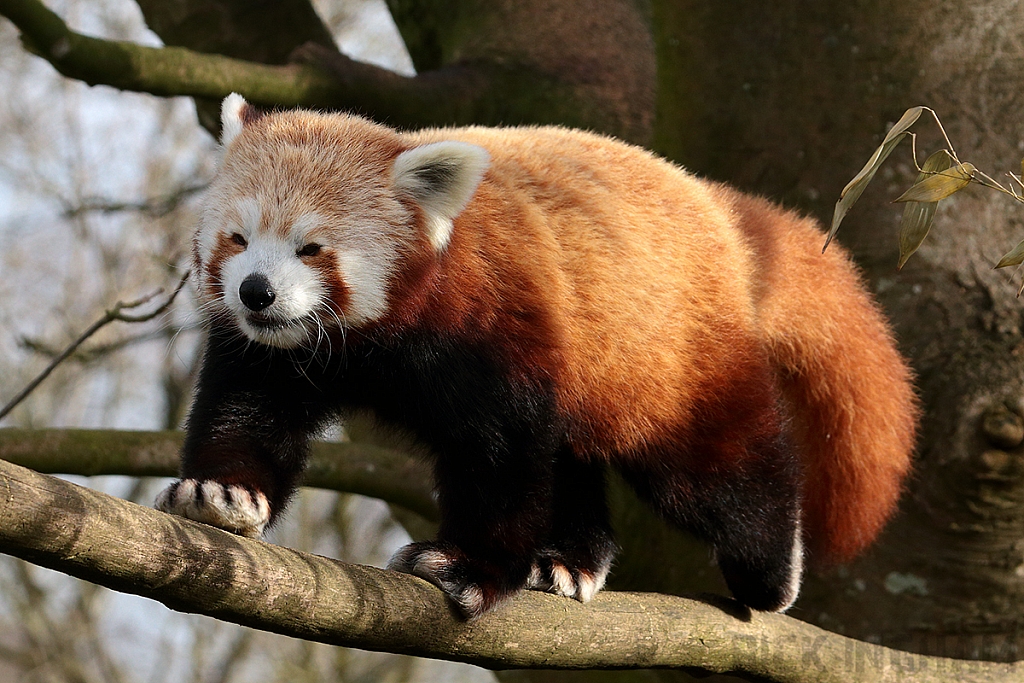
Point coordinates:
[[307, 222]]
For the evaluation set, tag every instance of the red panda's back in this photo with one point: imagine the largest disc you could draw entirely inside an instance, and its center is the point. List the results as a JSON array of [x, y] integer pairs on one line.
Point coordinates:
[[638, 263], [664, 289]]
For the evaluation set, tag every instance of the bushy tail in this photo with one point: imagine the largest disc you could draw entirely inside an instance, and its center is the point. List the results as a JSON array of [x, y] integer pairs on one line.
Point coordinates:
[[855, 416], [855, 412]]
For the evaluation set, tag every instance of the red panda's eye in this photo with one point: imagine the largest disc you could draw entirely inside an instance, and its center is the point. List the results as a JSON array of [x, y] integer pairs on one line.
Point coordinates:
[[239, 240], [311, 249]]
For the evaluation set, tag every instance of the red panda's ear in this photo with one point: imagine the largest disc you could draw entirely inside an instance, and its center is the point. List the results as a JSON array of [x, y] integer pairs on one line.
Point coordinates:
[[441, 177], [235, 113]]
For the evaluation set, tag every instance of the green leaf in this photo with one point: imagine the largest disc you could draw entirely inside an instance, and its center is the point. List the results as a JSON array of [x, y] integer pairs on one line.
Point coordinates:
[[855, 188], [939, 186], [917, 216], [1014, 257]]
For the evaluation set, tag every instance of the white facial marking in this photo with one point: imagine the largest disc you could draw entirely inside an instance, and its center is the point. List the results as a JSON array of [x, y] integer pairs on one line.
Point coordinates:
[[250, 215], [365, 262], [207, 235], [245, 221], [298, 291], [303, 225], [364, 255], [366, 273]]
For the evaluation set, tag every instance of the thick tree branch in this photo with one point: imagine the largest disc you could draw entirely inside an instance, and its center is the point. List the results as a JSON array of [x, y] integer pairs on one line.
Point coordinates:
[[349, 467], [264, 32], [466, 93], [160, 71], [195, 568]]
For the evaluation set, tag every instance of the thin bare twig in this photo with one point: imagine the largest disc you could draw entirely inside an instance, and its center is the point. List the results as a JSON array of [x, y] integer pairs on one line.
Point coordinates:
[[115, 313], [949, 145], [155, 207], [93, 353], [1016, 179]]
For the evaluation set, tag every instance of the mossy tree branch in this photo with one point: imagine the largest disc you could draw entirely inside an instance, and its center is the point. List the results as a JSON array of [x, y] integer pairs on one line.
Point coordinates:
[[162, 71], [264, 32], [195, 568], [481, 91]]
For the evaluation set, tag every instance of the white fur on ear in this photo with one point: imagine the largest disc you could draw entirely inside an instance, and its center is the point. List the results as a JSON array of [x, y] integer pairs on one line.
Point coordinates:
[[441, 177], [231, 118]]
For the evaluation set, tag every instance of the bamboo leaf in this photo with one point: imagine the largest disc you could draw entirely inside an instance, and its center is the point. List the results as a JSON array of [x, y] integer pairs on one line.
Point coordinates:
[[939, 186], [908, 119], [1014, 257], [855, 188], [890, 140], [917, 216], [852, 192]]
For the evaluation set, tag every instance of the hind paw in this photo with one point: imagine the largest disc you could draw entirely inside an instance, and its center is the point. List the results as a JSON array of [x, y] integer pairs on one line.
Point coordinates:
[[554, 573], [475, 586], [228, 506], [769, 583]]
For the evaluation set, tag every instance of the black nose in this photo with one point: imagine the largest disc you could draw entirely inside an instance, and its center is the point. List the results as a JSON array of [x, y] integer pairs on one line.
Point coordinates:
[[256, 293]]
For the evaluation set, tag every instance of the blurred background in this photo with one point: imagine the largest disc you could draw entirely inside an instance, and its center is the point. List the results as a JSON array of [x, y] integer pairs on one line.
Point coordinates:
[[97, 198]]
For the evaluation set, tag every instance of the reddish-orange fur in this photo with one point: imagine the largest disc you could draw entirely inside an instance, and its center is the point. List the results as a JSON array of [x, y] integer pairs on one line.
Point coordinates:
[[854, 410], [654, 302], [653, 296]]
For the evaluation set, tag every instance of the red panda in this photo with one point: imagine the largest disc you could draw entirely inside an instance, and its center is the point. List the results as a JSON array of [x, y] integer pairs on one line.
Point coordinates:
[[534, 305]]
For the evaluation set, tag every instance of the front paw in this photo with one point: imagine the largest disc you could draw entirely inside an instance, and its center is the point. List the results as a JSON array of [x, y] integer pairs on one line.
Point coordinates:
[[475, 586], [231, 507]]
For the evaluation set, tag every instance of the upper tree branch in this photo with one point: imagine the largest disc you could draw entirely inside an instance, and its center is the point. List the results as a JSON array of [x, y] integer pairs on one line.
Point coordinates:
[[160, 71], [481, 92], [458, 94], [195, 568], [264, 32]]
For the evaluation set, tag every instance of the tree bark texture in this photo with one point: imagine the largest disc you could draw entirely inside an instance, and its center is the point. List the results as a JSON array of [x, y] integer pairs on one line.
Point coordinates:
[[589, 63], [192, 567]]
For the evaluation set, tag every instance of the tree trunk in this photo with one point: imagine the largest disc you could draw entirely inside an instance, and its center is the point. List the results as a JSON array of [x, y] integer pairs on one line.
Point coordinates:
[[789, 99]]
